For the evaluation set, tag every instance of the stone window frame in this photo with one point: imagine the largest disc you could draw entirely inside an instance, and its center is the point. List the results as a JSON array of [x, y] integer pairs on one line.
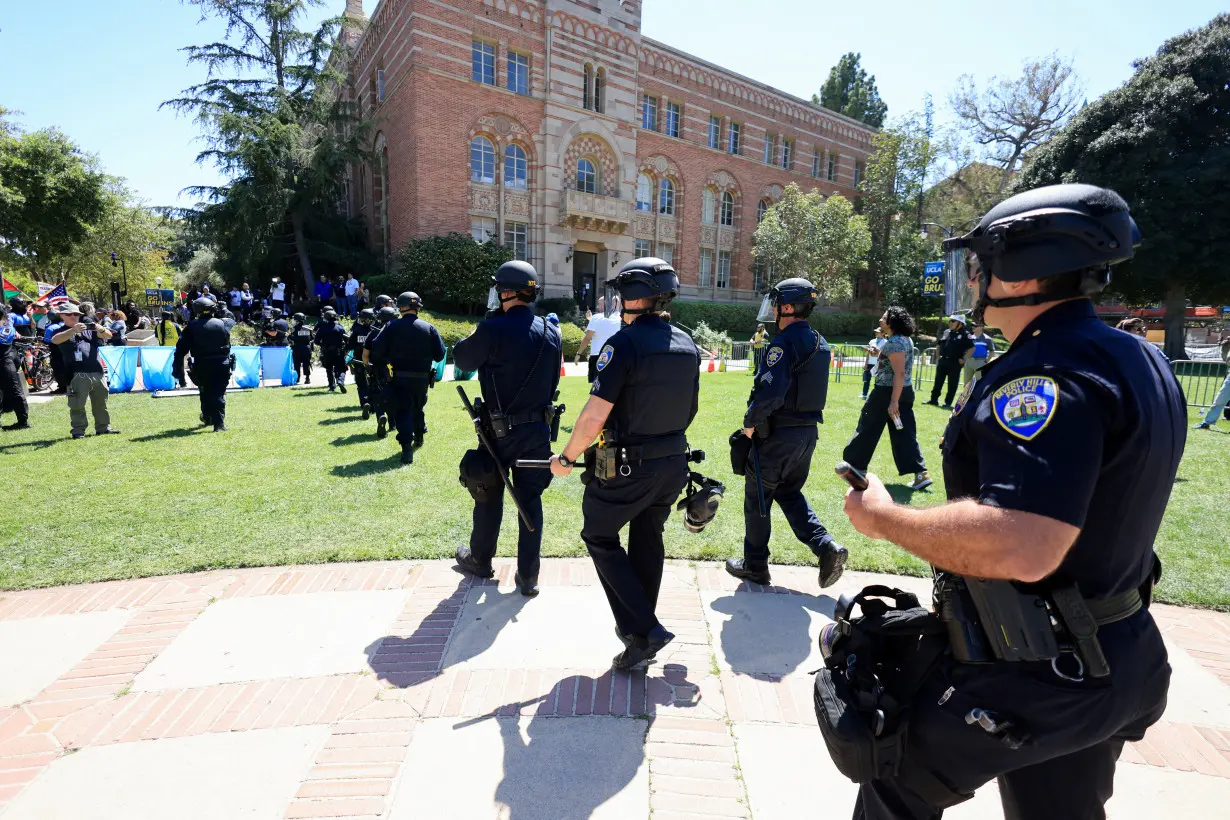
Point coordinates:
[[769, 151], [705, 279], [510, 229], [815, 163], [595, 176], [649, 103], [509, 60], [762, 208], [787, 152], [834, 165], [524, 159], [708, 206], [734, 138], [718, 272], [636, 248], [484, 219], [650, 192], [726, 217], [503, 130], [673, 113], [715, 132], [860, 170], [593, 88], [664, 191], [474, 145], [479, 45]]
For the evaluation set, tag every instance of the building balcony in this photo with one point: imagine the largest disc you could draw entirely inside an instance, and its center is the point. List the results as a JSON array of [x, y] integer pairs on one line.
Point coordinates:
[[591, 212]]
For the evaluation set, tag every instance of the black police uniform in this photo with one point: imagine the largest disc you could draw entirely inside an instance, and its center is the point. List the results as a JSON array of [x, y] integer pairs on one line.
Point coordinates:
[[12, 388], [208, 341], [788, 397], [516, 355], [354, 345], [408, 346], [1083, 424], [650, 371], [281, 330], [301, 342], [377, 379], [331, 337], [951, 348]]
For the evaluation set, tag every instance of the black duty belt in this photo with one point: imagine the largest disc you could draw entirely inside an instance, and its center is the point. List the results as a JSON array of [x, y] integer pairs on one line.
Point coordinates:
[[535, 417], [1116, 607], [787, 421], [650, 450], [410, 374]]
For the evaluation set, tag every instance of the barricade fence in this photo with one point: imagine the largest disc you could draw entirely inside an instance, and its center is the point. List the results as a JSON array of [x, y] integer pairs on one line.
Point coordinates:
[[1200, 380]]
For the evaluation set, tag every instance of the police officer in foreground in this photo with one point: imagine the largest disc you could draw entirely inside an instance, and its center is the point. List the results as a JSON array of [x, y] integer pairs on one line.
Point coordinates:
[[378, 378], [208, 341], [643, 399], [331, 338], [301, 342], [786, 404], [407, 349], [359, 331], [1059, 460], [516, 355]]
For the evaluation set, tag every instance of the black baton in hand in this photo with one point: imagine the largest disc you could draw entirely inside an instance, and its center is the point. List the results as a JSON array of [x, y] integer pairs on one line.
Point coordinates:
[[533, 463], [853, 477], [482, 437]]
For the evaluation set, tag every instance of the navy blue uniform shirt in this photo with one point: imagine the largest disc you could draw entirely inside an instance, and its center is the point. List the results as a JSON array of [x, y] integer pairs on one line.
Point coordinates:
[[331, 335], [1080, 423], [409, 344], [504, 349], [789, 348]]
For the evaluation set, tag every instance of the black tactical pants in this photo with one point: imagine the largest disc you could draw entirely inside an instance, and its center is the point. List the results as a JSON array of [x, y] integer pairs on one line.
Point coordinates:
[[378, 395], [642, 500], [523, 441], [871, 423], [361, 385], [302, 357], [12, 392], [785, 461], [946, 369], [211, 378], [1066, 768], [408, 392], [334, 362]]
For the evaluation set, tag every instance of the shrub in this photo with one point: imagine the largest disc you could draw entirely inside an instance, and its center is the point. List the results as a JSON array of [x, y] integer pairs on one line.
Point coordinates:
[[844, 324], [562, 306], [452, 269], [455, 328], [708, 339], [722, 317]]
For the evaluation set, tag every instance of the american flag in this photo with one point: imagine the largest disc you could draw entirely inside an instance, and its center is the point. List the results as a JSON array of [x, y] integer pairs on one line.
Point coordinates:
[[55, 298]]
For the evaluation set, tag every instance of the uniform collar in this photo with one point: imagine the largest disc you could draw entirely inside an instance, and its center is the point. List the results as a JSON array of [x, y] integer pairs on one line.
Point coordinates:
[[1064, 313], [517, 309]]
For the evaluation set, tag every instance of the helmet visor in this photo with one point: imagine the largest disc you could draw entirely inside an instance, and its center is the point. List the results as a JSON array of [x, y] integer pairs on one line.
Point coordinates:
[[610, 301], [768, 312], [493, 299]]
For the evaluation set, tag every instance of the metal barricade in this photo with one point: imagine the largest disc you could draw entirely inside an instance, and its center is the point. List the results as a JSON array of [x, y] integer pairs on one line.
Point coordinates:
[[924, 366], [1200, 380], [740, 356]]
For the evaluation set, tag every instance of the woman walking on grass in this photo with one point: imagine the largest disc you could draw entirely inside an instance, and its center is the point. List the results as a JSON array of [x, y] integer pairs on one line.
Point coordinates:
[[891, 403]]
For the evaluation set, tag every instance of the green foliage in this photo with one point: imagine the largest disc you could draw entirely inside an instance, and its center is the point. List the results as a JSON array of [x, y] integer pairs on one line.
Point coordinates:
[[844, 324], [726, 317], [820, 239], [564, 307], [455, 328], [1162, 140], [902, 268], [451, 269], [50, 195], [201, 269], [852, 91], [708, 339], [243, 334]]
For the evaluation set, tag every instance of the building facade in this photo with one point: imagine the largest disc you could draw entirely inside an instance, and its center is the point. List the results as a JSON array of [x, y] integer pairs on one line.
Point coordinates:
[[558, 129]]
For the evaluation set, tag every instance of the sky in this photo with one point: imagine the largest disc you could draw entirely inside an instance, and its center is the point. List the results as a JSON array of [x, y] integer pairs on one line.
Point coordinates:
[[99, 70]]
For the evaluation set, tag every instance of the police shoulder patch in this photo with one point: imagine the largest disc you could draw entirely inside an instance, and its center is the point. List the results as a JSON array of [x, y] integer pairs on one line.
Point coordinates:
[[1024, 407], [775, 355], [604, 358], [969, 388]]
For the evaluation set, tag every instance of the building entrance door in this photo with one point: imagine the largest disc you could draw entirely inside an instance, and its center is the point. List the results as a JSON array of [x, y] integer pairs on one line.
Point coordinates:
[[585, 280]]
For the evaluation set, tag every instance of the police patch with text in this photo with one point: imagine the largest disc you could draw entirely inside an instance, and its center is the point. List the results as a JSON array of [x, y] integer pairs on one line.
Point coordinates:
[[775, 355], [604, 358], [1024, 407]]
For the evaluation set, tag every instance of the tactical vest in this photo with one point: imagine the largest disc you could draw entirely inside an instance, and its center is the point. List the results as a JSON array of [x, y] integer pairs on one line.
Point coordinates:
[[303, 336], [660, 392], [809, 386]]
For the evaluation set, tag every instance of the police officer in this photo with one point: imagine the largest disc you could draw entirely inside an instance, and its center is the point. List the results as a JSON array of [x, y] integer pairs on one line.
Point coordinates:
[[407, 349], [516, 355], [952, 348], [786, 404], [208, 341], [301, 342], [642, 401], [277, 330], [1059, 460], [331, 338], [359, 331], [378, 378], [12, 389]]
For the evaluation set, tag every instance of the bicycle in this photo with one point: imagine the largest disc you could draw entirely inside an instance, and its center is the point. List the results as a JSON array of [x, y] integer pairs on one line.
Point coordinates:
[[36, 364]]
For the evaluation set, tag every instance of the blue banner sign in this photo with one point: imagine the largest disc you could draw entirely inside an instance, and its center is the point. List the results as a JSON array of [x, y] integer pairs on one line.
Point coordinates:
[[933, 279]]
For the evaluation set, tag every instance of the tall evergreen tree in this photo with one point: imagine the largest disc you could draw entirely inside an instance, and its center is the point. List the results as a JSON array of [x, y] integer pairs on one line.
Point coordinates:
[[852, 91]]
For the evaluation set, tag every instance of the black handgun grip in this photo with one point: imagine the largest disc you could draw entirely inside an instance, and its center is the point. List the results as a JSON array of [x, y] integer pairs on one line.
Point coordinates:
[[853, 477]]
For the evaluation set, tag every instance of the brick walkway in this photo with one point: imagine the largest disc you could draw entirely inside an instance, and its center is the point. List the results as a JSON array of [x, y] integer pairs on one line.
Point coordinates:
[[402, 690]]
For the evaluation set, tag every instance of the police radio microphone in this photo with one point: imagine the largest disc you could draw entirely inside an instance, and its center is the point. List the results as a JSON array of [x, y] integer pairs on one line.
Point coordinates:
[[853, 477]]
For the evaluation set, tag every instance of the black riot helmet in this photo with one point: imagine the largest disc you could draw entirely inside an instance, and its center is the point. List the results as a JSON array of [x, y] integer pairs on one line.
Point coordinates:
[[515, 277], [328, 314], [367, 316], [383, 301], [700, 504], [299, 317], [386, 314], [409, 302], [798, 292], [203, 306], [275, 313], [644, 278], [1048, 232]]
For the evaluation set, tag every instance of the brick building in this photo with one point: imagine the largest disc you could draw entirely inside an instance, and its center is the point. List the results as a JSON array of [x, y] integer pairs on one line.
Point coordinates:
[[557, 128]]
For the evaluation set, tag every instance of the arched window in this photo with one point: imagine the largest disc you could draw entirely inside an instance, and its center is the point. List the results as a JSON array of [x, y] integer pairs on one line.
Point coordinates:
[[593, 91], [587, 90], [587, 178], [728, 209], [516, 170], [600, 90], [666, 198], [644, 193], [482, 160], [761, 209], [706, 207]]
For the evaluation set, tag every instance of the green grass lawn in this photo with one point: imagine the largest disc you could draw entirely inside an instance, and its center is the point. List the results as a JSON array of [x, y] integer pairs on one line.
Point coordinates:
[[301, 478]]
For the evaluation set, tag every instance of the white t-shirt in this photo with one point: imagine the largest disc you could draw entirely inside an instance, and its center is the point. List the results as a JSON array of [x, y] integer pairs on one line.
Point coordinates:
[[352, 286], [279, 292], [875, 360], [603, 328]]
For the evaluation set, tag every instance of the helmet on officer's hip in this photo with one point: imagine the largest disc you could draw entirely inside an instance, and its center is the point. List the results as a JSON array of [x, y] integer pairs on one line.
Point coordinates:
[[798, 292], [386, 314], [409, 301], [644, 278], [367, 316], [700, 505]]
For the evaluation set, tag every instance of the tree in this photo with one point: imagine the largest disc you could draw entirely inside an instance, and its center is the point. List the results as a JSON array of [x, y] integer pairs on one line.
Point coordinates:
[[1010, 117], [820, 240], [453, 268], [280, 129], [898, 169], [902, 270], [50, 193], [851, 91], [1162, 140]]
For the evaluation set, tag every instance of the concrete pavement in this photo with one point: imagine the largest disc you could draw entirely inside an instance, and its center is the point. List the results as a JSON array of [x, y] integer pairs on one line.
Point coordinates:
[[405, 690]]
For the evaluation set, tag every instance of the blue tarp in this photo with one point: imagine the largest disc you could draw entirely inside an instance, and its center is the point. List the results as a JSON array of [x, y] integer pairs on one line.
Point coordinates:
[[247, 366], [439, 366], [121, 367], [276, 364], [156, 366]]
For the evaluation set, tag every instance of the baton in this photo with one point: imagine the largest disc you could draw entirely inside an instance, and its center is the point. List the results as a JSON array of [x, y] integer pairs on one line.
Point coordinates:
[[853, 477], [533, 463], [482, 437], [764, 512]]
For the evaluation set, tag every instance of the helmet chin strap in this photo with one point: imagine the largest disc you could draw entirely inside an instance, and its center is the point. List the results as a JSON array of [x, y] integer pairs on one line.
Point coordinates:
[[978, 313]]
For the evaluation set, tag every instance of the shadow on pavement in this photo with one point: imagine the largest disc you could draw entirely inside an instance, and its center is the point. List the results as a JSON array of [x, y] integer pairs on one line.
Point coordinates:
[[182, 432], [775, 641], [370, 466]]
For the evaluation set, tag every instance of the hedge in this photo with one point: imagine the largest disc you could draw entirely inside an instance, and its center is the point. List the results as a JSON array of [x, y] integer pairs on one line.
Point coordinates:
[[741, 318], [455, 328]]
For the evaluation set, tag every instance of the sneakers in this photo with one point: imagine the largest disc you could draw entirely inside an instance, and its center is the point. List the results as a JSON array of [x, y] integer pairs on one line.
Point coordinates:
[[78, 435], [638, 652], [738, 568], [467, 561], [921, 481], [1203, 426], [110, 431], [332, 389], [863, 396], [219, 428], [832, 562], [528, 586]]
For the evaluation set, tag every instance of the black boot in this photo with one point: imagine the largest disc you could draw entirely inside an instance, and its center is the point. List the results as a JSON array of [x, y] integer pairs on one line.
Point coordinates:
[[644, 649], [738, 567], [832, 562], [528, 586], [382, 429], [367, 412], [467, 561], [407, 456]]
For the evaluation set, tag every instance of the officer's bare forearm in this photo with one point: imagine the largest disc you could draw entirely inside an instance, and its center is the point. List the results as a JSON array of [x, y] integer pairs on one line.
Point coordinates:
[[588, 426], [979, 540]]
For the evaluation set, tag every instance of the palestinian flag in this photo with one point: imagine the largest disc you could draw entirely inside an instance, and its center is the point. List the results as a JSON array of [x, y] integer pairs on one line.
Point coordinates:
[[11, 290]]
